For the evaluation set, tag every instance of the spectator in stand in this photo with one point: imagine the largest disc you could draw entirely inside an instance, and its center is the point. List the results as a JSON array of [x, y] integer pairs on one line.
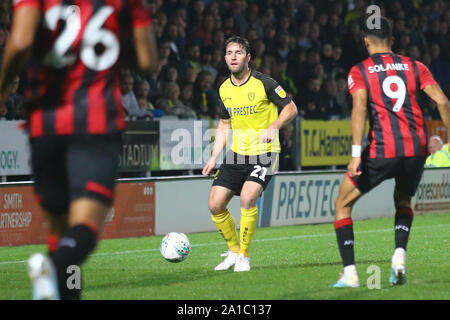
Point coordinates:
[[237, 12], [343, 97], [168, 74], [205, 97], [195, 13], [284, 24], [189, 76], [282, 49], [303, 40], [433, 33], [252, 15], [205, 61], [218, 39], [129, 99], [287, 148], [330, 103], [159, 24], [192, 59], [228, 27], [186, 95], [439, 154], [258, 49], [417, 36], [143, 99], [15, 103], [311, 101], [171, 104], [444, 39], [269, 37], [279, 73], [327, 57], [314, 35], [251, 35], [171, 35], [439, 67], [353, 46], [203, 35]]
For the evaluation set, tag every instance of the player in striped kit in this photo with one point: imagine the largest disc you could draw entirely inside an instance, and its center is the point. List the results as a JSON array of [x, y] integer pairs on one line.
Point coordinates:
[[384, 87], [75, 118]]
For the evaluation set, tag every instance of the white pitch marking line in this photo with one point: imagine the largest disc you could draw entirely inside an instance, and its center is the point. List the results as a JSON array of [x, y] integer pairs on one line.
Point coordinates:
[[256, 240]]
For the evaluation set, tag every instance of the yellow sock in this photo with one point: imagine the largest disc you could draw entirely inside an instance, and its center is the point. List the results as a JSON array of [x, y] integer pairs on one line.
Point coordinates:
[[249, 220], [226, 226]]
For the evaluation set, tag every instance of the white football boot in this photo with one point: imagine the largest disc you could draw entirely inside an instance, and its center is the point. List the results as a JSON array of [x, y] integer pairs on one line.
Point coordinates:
[[348, 279], [242, 263], [398, 271], [229, 261], [43, 277]]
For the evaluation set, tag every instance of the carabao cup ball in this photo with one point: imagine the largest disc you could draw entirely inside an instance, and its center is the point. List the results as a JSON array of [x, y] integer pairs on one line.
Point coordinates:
[[175, 247]]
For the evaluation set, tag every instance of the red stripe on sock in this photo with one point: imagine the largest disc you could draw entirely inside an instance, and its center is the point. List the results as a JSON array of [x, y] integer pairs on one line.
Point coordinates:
[[98, 188], [351, 179], [52, 242], [405, 210], [343, 222]]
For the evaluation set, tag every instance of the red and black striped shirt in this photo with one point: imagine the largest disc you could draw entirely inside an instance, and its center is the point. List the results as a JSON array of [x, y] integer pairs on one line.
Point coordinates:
[[73, 79], [397, 125]]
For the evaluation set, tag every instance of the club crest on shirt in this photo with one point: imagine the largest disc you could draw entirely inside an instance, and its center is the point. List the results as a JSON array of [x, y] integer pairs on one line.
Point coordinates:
[[350, 82], [280, 92], [251, 96]]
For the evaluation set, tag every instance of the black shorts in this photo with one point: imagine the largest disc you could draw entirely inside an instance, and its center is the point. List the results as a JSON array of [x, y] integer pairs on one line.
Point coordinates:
[[69, 167], [237, 169], [407, 172]]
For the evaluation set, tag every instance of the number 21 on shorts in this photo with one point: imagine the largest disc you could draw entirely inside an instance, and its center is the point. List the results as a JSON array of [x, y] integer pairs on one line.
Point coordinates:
[[259, 169], [398, 94]]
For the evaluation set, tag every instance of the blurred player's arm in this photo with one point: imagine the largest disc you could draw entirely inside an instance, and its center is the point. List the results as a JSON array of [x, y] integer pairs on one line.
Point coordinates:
[[18, 47], [146, 49], [220, 142], [287, 114], [359, 114], [434, 91]]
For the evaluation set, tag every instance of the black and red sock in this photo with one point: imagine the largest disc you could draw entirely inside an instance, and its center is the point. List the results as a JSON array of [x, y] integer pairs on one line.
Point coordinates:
[[403, 221], [74, 246], [345, 239]]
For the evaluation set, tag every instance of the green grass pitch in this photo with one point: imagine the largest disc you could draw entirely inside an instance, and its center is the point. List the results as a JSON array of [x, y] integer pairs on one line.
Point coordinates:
[[288, 263]]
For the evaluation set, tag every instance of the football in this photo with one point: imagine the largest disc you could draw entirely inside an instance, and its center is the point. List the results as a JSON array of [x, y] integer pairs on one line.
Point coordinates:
[[175, 247]]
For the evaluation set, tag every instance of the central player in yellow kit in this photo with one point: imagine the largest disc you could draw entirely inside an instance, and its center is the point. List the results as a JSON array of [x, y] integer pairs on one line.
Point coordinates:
[[249, 107]]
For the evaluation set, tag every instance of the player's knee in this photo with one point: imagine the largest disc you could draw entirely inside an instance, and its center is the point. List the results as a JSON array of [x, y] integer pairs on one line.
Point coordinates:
[[248, 201], [216, 207]]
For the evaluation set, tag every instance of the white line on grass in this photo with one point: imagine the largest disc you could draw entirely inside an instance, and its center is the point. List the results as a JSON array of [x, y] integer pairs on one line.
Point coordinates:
[[255, 240]]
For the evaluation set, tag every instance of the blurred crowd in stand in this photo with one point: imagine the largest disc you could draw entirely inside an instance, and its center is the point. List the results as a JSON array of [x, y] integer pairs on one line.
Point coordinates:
[[307, 46]]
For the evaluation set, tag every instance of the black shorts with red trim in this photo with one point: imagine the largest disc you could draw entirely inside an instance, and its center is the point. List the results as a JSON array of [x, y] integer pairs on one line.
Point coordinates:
[[238, 169], [407, 172], [66, 168]]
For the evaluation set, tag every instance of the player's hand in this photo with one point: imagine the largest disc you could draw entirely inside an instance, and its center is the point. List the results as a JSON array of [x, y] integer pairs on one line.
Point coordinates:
[[209, 167], [268, 135], [354, 167]]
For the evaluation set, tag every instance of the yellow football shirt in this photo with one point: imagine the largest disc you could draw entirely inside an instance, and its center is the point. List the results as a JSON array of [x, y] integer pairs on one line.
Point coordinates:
[[252, 107]]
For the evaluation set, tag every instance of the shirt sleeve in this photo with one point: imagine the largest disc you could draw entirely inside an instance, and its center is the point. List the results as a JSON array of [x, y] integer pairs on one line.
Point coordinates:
[[425, 76], [222, 111], [275, 92], [139, 14], [355, 80]]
